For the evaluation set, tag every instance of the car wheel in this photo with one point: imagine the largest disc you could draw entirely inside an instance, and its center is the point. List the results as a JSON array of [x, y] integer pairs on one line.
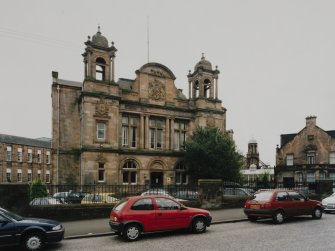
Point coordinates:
[[199, 225], [132, 232], [252, 218], [317, 213], [33, 242], [278, 217]]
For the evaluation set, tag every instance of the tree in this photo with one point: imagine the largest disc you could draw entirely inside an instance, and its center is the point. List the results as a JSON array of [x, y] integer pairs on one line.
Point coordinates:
[[211, 154], [37, 189]]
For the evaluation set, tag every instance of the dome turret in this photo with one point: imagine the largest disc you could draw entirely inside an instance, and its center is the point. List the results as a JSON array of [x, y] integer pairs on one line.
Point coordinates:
[[99, 40], [204, 64]]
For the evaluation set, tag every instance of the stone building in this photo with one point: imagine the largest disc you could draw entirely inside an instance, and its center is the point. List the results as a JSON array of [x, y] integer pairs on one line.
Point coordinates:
[[129, 131], [23, 159], [306, 156], [254, 169]]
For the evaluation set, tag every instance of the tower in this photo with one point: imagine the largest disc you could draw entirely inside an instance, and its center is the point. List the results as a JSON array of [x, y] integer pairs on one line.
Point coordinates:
[[99, 58], [253, 155], [203, 82]]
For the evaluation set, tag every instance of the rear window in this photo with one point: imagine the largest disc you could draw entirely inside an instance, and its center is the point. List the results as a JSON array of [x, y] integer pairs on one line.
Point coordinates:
[[262, 196], [119, 206]]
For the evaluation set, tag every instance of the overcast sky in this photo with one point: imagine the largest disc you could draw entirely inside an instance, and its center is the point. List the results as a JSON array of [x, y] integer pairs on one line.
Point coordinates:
[[276, 58]]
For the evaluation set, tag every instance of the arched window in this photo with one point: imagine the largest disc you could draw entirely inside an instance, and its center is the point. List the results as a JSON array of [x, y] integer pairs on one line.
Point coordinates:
[[207, 88], [196, 89], [181, 176], [129, 173], [100, 69]]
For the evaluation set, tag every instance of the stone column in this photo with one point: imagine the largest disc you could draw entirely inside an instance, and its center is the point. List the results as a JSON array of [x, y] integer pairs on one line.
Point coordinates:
[[167, 134], [141, 138], [146, 130], [172, 133], [189, 89], [216, 87]]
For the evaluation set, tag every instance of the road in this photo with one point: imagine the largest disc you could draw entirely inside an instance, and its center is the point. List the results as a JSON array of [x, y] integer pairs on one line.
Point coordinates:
[[301, 233]]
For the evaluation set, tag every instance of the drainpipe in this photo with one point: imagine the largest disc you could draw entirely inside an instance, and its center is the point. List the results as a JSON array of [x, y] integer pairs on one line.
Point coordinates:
[[58, 123]]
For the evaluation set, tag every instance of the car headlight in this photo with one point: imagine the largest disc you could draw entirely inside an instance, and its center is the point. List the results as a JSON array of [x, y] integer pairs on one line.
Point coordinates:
[[56, 228]]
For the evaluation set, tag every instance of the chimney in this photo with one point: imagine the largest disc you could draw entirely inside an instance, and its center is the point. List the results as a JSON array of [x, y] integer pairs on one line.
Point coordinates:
[[54, 76], [311, 121]]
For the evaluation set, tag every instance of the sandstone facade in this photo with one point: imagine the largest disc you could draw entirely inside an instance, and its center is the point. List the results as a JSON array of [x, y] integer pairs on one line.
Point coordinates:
[[129, 131]]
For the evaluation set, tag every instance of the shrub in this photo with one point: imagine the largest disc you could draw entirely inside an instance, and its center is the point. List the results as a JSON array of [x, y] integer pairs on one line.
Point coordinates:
[[37, 189]]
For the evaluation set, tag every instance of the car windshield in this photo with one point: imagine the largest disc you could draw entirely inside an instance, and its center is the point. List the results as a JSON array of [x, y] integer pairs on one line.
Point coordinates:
[[11, 215], [263, 196], [119, 206]]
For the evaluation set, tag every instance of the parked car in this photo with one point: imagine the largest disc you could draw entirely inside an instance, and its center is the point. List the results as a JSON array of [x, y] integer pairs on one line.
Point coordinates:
[[328, 203], [186, 195], [279, 204], [61, 196], [99, 198], [30, 233], [237, 191], [139, 214], [42, 201]]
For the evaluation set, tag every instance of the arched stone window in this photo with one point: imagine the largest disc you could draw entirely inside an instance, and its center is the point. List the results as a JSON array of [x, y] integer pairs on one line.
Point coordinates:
[[129, 172], [181, 176], [100, 69], [207, 88], [196, 89]]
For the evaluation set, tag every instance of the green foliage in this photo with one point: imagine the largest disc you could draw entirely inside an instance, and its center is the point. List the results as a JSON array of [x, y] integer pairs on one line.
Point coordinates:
[[211, 154], [37, 189]]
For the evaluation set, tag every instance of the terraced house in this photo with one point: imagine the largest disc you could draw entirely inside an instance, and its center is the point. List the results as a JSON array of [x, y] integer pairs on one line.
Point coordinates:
[[306, 156], [128, 131], [24, 159]]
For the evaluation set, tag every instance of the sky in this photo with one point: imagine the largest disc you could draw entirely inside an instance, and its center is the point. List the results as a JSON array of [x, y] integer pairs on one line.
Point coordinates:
[[276, 58]]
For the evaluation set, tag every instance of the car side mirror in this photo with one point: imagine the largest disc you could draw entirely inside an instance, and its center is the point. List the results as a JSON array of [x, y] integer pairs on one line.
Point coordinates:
[[3, 221]]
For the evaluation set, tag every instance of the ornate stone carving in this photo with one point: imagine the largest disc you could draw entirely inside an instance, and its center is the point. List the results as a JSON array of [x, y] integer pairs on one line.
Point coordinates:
[[156, 90], [210, 122], [101, 108]]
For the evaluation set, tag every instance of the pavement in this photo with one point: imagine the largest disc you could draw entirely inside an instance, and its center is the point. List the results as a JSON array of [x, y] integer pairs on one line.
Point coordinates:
[[100, 227]]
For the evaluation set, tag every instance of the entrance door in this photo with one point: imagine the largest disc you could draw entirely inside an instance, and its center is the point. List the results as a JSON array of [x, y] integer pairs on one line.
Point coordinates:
[[156, 179]]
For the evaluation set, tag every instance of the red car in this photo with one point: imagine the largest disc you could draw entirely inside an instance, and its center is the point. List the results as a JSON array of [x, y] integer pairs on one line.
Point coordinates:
[[138, 214], [279, 204]]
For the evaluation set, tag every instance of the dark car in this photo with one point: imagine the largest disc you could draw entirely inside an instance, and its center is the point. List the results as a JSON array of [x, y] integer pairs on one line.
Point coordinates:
[[30, 233], [279, 204], [138, 214]]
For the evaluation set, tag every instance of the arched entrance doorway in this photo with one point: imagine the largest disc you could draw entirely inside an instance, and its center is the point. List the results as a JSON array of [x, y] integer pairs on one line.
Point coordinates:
[[156, 179]]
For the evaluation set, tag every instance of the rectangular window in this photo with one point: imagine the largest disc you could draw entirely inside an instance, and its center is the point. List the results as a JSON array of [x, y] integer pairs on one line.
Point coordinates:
[[311, 158], [101, 172], [332, 158], [310, 177], [9, 153], [47, 176], [8, 175], [180, 130], [48, 157], [289, 159], [19, 175], [19, 154], [129, 131], [38, 156], [156, 133], [30, 175], [39, 174], [101, 130], [30, 156]]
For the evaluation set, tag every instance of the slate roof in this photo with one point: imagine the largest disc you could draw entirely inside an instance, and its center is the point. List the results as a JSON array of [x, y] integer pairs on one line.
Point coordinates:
[[125, 84], [10, 139], [69, 83], [286, 138]]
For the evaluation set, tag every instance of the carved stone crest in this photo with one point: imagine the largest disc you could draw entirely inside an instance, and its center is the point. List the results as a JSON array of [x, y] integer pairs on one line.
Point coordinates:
[[156, 90], [210, 122], [101, 109]]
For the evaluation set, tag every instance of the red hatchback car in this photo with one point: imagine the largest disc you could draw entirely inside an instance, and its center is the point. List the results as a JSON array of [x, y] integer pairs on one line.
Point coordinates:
[[279, 204], [138, 214]]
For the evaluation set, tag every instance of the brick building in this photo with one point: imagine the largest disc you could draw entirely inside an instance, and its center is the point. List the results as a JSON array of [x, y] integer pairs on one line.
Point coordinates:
[[23, 159], [306, 156], [129, 131]]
